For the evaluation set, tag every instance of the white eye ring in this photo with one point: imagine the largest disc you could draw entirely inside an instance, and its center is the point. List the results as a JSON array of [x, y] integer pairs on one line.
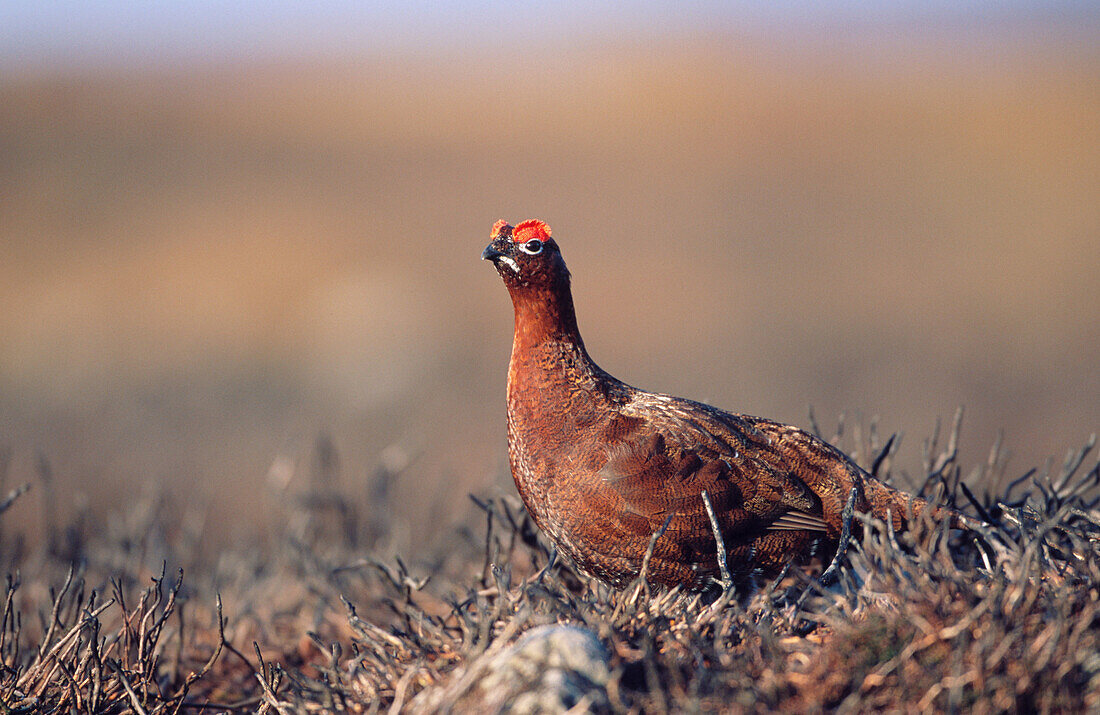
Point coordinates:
[[532, 247]]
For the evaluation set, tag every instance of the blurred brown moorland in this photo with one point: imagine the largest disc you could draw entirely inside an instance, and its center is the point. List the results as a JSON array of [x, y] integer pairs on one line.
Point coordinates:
[[204, 269]]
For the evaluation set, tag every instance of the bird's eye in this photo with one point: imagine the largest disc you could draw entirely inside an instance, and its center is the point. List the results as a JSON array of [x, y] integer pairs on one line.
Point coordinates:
[[532, 247]]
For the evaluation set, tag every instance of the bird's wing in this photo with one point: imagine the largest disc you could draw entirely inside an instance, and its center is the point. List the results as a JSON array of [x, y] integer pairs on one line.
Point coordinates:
[[827, 471], [677, 449]]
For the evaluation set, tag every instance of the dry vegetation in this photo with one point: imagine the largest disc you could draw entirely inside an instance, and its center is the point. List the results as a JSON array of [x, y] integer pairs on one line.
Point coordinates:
[[1004, 620]]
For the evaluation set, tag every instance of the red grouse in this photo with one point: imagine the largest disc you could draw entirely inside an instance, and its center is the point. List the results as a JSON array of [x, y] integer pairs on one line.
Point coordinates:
[[602, 466]]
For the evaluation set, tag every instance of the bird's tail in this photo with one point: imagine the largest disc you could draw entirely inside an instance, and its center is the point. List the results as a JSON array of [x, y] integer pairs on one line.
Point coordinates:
[[902, 510]]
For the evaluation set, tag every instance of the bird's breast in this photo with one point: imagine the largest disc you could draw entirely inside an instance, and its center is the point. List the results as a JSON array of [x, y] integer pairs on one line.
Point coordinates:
[[552, 451]]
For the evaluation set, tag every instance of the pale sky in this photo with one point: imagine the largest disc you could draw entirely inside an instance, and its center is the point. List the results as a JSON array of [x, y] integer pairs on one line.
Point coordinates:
[[58, 34]]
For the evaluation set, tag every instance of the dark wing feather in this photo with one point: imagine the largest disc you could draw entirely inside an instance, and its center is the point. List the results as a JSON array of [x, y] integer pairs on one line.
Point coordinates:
[[682, 448]]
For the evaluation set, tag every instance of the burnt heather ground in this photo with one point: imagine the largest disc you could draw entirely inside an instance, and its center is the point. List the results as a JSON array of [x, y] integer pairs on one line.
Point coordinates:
[[320, 622]]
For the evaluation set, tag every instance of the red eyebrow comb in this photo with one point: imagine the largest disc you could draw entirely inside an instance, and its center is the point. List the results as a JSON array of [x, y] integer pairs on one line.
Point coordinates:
[[531, 228]]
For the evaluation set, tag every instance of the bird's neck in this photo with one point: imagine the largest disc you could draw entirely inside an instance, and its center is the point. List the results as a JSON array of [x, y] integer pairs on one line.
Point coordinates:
[[546, 336], [545, 314]]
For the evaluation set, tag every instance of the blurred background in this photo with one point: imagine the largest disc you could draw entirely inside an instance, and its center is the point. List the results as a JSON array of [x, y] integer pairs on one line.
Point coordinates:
[[240, 240]]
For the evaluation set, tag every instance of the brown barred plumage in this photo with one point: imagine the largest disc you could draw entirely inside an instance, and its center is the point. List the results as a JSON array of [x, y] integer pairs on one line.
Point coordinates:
[[600, 464]]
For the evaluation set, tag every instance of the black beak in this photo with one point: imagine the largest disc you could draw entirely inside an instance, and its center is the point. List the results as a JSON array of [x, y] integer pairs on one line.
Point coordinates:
[[491, 253]]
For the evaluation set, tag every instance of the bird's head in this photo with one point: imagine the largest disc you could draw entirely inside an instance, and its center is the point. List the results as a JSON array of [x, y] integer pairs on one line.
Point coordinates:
[[526, 256]]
